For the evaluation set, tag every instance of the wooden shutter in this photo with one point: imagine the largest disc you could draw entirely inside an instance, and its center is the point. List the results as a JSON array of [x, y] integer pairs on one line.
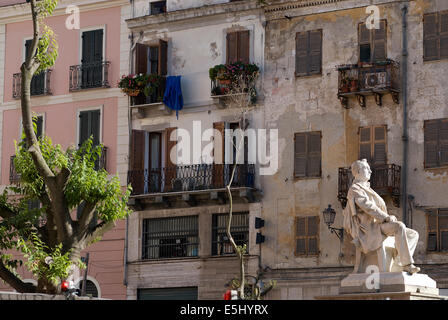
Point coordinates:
[[365, 143], [379, 145], [300, 236], [364, 42], [443, 142], [27, 47], [218, 154], [431, 130], [92, 46], [137, 165], [163, 58], [170, 165], [443, 32], [300, 154], [232, 47], [430, 37], [141, 58], [98, 45], [431, 223], [380, 42], [315, 52], [443, 229], [312, 235], [313, 166], [244, 46], [84, 133], [39, 120], [301, 53]]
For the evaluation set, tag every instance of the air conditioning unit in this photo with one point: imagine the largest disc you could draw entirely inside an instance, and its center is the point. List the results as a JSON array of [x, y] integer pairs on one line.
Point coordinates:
[[375, 80]]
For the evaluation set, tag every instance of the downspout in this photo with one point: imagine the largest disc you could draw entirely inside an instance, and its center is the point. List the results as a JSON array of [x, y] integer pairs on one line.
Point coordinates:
[[405, 138]]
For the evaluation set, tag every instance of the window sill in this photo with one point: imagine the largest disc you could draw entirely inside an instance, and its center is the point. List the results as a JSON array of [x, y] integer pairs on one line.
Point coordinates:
[[300, 76], [306, 178]]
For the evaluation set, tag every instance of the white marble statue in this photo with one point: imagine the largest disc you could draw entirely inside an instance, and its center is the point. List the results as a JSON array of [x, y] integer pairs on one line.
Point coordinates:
[[367, 221]]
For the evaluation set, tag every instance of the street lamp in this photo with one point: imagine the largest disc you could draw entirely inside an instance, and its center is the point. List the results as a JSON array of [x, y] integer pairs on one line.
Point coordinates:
[[329, 215]]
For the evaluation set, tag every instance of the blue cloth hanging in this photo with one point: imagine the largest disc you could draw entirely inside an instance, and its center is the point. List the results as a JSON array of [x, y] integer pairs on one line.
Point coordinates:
[[173, 94]]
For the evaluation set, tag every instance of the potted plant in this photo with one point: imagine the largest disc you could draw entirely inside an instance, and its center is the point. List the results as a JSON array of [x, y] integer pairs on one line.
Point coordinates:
[[133, 84], [353, 84]]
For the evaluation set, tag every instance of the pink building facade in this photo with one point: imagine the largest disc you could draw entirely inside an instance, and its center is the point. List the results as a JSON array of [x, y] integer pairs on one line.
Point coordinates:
[[72, 105]]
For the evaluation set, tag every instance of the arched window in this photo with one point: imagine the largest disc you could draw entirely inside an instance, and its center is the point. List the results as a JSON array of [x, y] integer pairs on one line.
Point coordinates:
[[91, 288]]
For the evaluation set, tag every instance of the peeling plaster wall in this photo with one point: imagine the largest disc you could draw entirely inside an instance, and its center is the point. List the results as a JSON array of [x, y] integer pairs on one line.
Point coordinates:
[[300, 104]]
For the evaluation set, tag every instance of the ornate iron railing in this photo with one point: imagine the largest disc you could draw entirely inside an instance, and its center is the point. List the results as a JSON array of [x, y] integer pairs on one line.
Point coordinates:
[[40, 84], [190, 178], [14, 177], [89, 75], [385, 180]]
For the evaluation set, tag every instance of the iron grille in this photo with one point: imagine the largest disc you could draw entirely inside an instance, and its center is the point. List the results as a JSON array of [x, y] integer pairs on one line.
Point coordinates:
[[89, 75], [170, 237], [155, 97], [40, 84], [239, 229]]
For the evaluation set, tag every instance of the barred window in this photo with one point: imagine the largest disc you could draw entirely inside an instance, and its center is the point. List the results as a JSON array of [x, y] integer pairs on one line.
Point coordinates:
[[170, 237], [239, 230]]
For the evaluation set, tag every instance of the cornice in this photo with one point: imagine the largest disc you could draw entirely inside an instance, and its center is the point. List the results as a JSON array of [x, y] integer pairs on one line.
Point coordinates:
[[21, 12], [216, 11], [297, 4]]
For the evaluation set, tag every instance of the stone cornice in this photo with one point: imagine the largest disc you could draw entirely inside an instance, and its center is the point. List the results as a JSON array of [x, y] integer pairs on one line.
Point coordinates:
[[216, 11], [21, 12], [297, 4]]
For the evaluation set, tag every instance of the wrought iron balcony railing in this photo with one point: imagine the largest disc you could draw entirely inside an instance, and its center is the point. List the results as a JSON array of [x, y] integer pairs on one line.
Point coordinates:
[[40, 84], [361, 80], [385, 180], [157, 96], [89, 75], [190, 178]]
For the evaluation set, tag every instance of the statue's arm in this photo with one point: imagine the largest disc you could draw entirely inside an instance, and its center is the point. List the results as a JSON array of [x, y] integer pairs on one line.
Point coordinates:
[[368, 206]]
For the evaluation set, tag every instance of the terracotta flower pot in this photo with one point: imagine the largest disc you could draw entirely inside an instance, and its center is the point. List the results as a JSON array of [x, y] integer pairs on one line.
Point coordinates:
[[225, 81], [354, 85]]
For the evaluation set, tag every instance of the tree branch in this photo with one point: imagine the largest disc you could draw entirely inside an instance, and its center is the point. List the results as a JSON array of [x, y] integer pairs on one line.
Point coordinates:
[[99, 231], [87, 214], [14, 281]]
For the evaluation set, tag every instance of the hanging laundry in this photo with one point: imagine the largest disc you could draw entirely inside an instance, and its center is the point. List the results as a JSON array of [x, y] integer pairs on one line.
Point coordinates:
[[173, 94]]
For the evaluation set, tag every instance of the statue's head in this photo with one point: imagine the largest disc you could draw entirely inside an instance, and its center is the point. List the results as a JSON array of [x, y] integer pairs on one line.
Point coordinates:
[[361, 170]]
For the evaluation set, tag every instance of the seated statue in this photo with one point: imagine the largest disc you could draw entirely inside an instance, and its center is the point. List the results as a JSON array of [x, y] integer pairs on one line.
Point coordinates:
[[367, 221]]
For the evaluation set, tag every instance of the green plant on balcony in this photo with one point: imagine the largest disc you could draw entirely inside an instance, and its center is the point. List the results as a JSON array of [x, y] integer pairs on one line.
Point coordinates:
[[228, 75], [133, 84]]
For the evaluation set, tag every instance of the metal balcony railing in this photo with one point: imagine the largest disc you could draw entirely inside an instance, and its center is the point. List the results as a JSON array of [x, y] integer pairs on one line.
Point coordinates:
[[190, 178], [361, 80], [40, 84], [385, 180], [89, 75]]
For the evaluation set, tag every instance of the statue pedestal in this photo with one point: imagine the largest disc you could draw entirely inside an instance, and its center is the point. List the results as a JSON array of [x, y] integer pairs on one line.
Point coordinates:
[[389, 285]]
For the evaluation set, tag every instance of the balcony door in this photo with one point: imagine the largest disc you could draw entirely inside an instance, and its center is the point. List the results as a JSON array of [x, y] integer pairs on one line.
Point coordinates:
[[38, 80], [92, 59], [153, 161]]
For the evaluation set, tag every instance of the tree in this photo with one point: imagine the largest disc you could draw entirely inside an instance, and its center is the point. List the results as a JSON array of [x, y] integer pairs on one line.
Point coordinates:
[[50, 238], [242, 96]]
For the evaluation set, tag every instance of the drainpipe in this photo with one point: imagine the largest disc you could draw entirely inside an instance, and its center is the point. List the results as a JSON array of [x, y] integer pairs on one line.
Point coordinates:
[[405, 138]]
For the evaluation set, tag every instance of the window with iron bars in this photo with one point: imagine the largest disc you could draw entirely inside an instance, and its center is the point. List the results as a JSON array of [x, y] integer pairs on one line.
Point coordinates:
[[239, 229], [170, 237]]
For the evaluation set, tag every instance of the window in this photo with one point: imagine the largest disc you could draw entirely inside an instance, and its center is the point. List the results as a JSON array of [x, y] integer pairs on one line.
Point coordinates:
[[307, 235], [437, 223], [436, 143], [157, 7], [89, 125], [38, 82], [373, 144], [239, 230], [186, 293], [435, 36], [92, 59], [372, 42], [307, 154], [91, 289], [238, 48], [170, 237], [308, 53]]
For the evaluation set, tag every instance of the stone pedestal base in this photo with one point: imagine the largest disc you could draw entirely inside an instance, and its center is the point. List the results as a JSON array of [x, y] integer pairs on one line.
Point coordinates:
[[387, 286]]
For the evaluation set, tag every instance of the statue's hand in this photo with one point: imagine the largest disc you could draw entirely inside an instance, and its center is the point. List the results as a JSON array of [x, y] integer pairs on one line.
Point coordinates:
[[391, 219]]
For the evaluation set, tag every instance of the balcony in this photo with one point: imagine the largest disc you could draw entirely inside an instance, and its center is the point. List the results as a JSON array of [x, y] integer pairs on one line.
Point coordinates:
[[89, 76], [385, 180], [40, 84], [14, 177], [192, 181], [367, 79]]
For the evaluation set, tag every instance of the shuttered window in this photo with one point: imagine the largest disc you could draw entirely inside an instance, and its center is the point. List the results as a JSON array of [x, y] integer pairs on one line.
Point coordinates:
[[307, 154], [238, 47], [436, 143], [372, 42], [152, 59], [308, 53], [437, 230], [373, 144], [92, 58], [37, 86], [307, 235], [435, 36], [89, 125]]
